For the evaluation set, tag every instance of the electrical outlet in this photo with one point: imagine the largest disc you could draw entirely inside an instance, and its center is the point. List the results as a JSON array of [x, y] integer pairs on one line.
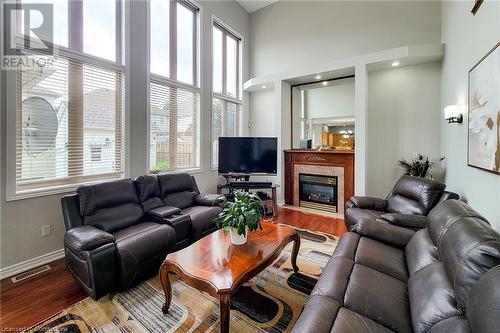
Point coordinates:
[[46, 230], [415, 154]]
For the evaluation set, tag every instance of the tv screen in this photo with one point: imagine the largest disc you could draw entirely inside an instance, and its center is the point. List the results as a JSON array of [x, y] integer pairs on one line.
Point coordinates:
[[248, 155]]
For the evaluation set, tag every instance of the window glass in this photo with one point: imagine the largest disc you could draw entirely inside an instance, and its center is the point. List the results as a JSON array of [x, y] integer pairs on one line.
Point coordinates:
[[160, 41], [99, 28], [185, 44], [60, 20], [231, 71], [217, 60]]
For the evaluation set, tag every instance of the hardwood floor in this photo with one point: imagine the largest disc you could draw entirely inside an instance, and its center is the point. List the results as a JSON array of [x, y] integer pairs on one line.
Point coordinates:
[[28, 302]]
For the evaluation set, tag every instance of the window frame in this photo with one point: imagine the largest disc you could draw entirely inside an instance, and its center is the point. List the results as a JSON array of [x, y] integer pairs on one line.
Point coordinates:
[[224, 96], [172, 81], [74, 55]]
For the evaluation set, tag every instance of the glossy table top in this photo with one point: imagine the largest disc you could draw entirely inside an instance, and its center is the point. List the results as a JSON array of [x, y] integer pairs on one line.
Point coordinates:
[[223, 265]]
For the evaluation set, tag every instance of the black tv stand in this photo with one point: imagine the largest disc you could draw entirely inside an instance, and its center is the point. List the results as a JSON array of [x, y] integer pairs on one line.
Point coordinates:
[[241, 181]]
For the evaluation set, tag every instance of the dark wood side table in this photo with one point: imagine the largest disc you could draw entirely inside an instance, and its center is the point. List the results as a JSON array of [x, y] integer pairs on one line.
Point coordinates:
[[217, 267]]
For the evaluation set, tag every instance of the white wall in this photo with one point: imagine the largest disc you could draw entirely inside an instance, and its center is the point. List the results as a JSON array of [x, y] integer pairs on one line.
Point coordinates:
[[403, 118], [290, 34], [21, 220], [262, 104], [336, 100], [468, 38]]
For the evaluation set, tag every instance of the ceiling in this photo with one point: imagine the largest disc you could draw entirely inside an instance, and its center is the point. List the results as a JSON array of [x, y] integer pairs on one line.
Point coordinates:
[[253, 5]]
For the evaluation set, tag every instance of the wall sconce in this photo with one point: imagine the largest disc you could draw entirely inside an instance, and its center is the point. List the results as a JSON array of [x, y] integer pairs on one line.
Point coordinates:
[[453, 115]]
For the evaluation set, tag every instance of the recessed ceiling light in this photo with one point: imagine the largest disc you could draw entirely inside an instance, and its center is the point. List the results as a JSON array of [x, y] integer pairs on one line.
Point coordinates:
[[324, 83], [395, 64], [264, 87], [318, 77]]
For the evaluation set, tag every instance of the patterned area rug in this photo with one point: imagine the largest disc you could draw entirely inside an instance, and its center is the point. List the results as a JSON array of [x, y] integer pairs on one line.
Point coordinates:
[[270, 302]]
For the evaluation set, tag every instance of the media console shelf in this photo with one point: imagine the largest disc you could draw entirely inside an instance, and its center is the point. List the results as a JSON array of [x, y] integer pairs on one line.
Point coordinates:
[[246, 185]]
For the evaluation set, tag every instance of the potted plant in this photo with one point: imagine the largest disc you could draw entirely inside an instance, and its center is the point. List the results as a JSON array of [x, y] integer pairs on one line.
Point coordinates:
[[420, 166], [241, 217]]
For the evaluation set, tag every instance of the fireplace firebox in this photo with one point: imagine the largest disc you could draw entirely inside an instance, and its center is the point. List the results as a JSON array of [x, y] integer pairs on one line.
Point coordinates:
[[318, 192]]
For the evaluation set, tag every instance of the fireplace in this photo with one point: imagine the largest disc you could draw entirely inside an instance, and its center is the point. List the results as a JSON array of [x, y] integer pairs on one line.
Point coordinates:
[[318, 192]]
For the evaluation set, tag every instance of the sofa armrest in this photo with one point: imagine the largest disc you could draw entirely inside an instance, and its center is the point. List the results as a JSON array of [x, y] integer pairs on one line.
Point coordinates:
[[164, 211], [86, 237], [210, 200], [383, 232], [368, 203], [406, 220]]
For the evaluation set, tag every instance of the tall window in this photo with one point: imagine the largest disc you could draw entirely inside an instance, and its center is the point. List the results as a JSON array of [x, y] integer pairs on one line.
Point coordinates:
[[69, 116], [174, 102], [226, 102]]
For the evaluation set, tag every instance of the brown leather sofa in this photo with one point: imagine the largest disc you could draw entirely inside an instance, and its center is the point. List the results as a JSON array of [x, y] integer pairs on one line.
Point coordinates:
[[407, 204], [176, 200], [115, 240], [384, 278]]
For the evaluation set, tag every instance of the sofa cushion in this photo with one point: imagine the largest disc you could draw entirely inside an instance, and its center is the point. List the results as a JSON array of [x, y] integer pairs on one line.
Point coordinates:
[[381, 257], [420, 251], [202, 219], [414, 195], [379, 297], [445, 214], [318, 315], [176, 182], [469, 249], [348, 321], [432, 297], [354, 214], [452, 325], [139, 244], [483, 304], [149, 193], [115, 218], [110, 206], [336, 278], [181, 200], [94, 197]]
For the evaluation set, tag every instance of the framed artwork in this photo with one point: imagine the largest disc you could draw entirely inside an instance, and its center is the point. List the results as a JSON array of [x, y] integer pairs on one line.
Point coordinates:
[[484, 113]]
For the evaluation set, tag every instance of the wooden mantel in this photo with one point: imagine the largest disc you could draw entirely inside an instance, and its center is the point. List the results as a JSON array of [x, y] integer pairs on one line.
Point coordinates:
[[327, 157]]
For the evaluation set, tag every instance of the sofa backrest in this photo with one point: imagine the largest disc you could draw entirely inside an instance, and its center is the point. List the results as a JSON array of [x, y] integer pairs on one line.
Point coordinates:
[[148, 191], [414, 195], [178, 190], [460, 249], [110, 206]]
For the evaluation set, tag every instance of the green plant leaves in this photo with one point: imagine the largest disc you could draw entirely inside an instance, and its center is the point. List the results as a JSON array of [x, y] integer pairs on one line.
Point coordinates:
[[245, 211]]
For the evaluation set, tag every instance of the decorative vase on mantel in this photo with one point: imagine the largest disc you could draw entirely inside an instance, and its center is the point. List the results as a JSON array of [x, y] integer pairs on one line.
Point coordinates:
[[240, 217]]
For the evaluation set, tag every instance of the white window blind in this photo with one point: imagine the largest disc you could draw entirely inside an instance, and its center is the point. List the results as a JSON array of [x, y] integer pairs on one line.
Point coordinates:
[[174, 106], [63, 114], [226, 86], [174, 128]]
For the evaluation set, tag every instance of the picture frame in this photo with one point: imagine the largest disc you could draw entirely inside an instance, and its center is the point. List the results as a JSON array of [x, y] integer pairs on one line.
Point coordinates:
[[483, 139]]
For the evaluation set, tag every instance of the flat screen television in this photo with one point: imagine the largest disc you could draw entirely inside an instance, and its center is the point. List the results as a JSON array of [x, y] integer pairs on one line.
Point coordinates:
[[248, 155]]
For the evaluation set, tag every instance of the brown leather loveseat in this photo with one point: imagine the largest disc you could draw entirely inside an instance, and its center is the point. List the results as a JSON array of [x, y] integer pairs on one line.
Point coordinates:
[[407, 205], [384, 278]]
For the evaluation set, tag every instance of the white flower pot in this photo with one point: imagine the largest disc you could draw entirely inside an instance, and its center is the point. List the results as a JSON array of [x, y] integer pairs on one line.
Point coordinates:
[[238, 239]]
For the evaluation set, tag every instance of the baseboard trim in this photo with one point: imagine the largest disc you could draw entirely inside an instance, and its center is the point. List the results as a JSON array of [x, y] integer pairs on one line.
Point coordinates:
[[30, 263]]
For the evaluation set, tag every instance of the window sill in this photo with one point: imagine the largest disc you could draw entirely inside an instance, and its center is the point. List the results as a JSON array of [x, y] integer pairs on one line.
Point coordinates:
[[171, 172], [48, 191]]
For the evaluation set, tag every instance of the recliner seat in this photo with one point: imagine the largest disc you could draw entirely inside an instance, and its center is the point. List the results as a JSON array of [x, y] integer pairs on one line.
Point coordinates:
[[110, 245], [384, 278], [407, 204]]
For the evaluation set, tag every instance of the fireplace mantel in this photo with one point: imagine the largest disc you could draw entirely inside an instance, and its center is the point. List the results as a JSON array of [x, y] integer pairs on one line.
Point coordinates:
[[331, 158]]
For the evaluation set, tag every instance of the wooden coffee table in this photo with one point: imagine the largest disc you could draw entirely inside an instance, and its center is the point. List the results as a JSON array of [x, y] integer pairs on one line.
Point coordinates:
[[217, 267]]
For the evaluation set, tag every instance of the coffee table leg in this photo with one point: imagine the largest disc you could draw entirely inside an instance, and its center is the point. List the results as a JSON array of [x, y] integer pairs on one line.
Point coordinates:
[[295, 252], [167, 289], [224, 312]]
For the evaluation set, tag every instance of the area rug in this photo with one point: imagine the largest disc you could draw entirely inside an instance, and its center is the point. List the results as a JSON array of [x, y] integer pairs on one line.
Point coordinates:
[[270, 302]]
